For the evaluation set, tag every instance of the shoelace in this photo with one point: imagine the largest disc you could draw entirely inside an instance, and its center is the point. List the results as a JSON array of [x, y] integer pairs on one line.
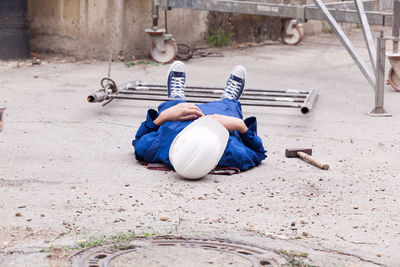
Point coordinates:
[[177, 86], [232, 89]]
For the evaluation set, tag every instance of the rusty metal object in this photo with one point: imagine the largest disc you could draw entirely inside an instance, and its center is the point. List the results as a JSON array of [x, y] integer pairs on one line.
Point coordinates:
[[219, 249]]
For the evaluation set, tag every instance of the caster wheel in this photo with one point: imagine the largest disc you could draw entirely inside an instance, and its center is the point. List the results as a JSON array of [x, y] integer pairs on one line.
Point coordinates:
[[164, 57], [393, 80], [296, 37]]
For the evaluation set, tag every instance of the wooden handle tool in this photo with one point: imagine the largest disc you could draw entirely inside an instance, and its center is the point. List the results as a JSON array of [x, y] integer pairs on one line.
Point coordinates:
[[308, 158], [305, 154]]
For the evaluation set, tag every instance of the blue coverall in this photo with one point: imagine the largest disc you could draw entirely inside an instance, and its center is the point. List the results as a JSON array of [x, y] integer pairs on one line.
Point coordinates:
[[243, 151]]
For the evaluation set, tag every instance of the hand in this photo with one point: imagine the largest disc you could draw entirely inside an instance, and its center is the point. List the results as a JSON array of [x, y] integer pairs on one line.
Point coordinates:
[[179, 112], [230, 123]]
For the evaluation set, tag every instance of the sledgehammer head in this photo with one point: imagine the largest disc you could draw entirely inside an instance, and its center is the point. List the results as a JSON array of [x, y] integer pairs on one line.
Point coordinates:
[[292, 153]]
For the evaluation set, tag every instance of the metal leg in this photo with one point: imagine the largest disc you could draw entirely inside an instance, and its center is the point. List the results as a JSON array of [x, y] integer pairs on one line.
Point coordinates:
[[379, 111], [396, 25], [367, 33], [154, 14], [345, 41]]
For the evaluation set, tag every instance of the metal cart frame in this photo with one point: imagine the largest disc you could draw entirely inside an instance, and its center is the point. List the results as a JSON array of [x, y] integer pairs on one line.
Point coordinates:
[[357, 11]]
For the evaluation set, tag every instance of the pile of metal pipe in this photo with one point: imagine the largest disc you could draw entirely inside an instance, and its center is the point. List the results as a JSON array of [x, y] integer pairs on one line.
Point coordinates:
[[137, 90]]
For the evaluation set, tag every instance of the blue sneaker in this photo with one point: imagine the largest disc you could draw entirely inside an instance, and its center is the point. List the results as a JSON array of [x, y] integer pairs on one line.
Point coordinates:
[[176, 80], [235, 84]]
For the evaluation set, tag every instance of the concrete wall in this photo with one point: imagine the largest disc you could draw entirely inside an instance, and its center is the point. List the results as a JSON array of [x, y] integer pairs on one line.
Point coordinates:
[[82, 28]]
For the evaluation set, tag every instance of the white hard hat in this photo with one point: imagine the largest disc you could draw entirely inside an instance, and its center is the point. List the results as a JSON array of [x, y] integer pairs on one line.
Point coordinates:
[[197, 149]]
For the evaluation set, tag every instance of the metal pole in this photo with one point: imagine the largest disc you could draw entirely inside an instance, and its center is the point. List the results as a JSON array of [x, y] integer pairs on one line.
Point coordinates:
[[379, 111], [139, 85], [345, 41], [112, 38], [216, 96], [367, 33], [154, 13], [218, 92], [204, 100], [396, 25], [309, 102]]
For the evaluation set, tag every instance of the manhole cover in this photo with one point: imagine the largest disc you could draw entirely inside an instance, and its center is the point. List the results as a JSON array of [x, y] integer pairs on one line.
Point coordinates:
[[177, 252]]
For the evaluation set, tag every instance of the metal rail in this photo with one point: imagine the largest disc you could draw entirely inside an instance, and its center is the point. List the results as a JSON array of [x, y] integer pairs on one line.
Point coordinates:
[[340, 10]]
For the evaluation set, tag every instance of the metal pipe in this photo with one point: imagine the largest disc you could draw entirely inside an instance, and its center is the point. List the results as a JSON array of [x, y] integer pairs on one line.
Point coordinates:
[[99, 96], [396, 25], [380, 67], [154, 12], [367, 33], [136, 84], [380, 83], [166, 21], [219, 92], [199, 100], [309, 102], [215, 96]]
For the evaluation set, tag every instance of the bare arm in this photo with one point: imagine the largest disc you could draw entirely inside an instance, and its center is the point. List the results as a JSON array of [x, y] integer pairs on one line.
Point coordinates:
[[180, 112], [230, 123]]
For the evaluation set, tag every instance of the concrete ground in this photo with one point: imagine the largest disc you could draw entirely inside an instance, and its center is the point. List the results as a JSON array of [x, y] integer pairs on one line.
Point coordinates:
[[68, 172]]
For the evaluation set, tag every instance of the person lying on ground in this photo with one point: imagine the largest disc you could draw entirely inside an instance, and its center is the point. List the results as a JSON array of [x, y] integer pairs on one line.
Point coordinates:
[[244, 148]]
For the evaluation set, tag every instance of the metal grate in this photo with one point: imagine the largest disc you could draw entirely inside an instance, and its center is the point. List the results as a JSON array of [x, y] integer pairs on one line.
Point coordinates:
[[105, 256]]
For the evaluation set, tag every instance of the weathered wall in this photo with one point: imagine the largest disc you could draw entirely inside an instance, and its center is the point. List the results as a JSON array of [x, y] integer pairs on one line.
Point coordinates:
[[82, 28]]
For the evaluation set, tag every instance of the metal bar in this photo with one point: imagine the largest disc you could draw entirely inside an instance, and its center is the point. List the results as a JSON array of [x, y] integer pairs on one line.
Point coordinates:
[[345, 42], [367, 33], [301, 13], [309, 102], [380, 67], [200, 100], [154, 14], [350, 16], [396, 25], [369, 5], [392, 38], [241, 7], [380, 83], [135, 84], [215, 96], [147, 89]]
